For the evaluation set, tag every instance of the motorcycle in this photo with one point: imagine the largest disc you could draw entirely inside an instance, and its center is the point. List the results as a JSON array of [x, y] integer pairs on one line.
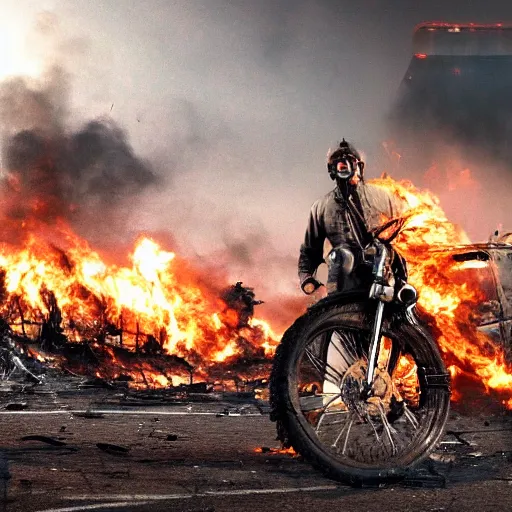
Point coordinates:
[[358, 386]]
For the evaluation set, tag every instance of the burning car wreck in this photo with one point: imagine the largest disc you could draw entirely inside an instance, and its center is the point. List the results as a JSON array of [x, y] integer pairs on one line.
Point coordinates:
[[491, 266]]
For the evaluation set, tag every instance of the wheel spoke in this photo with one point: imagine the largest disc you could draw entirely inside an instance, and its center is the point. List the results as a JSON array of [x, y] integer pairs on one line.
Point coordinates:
[[349, 347], [411, 418], [388, 429], [347, 428], [346, 437], [322, 366], [324, 410]]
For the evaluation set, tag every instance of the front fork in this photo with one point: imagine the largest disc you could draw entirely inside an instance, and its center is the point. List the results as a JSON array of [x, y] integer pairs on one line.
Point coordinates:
[[373, 352], [381, 291]]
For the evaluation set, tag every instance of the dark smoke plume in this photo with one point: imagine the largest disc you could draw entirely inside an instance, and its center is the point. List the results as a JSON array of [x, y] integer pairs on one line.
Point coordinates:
[[51, 172]]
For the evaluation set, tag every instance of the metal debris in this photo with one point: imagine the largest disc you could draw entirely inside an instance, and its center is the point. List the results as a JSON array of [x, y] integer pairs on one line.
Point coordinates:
[[16, 406], [114, 449], [44, 439], [458, 437]]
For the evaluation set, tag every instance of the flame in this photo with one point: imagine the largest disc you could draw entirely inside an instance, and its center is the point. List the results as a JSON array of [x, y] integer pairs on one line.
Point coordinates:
[[277, 451], [53, 286], [155, 299], [446, 293]]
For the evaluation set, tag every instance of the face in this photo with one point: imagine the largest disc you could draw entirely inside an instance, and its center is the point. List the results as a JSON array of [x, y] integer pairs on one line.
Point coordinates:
[[355, 179]]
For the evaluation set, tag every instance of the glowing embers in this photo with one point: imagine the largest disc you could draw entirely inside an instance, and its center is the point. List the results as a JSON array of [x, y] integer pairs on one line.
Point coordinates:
[[276, 451]]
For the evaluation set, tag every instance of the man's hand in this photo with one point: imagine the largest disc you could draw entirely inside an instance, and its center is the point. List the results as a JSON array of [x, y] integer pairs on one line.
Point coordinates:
[[310, 285]]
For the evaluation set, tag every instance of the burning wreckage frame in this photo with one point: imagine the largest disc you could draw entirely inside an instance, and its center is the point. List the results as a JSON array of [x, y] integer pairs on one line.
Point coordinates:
[[491, 266], [27, 357]]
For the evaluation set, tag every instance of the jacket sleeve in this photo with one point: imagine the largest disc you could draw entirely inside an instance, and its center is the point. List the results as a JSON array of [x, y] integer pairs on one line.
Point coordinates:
[[311, 251]]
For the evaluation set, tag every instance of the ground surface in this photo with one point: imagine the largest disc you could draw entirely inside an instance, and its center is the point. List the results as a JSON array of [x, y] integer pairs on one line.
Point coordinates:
[[99, 449]]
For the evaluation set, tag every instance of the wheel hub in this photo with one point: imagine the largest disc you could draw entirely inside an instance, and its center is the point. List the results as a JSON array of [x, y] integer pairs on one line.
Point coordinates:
[[373, 401]]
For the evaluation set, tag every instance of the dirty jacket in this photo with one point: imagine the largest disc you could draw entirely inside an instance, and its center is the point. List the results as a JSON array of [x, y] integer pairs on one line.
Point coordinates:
[[331, 218]]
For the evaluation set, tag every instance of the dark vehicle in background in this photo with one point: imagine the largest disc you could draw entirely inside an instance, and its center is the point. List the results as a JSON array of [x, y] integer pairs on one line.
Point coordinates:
[[456, 90]]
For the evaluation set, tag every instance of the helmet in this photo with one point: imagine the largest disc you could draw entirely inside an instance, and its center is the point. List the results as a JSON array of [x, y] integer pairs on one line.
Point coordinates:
[[347, 154]]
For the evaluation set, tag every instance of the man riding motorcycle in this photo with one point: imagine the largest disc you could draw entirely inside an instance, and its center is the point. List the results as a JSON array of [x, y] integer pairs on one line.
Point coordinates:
[[344, 217], [337, 392]]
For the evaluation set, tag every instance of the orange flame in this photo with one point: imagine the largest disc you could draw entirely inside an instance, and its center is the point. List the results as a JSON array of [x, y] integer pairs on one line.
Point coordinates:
[[277, 451], [443, 292], [156, 298]]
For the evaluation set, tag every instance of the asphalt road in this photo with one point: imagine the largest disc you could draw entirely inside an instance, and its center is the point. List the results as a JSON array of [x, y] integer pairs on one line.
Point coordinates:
[[61, 454]]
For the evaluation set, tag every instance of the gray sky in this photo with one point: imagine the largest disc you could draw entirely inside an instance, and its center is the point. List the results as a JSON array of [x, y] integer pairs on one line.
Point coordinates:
[[234, 102]]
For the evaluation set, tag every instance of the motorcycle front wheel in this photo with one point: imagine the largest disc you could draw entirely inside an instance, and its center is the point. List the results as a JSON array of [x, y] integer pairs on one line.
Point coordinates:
[[318, 400]]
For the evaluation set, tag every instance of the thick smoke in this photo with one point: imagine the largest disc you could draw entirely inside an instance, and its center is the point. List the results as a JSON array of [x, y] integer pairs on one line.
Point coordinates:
[[84, 176], [452, 125]]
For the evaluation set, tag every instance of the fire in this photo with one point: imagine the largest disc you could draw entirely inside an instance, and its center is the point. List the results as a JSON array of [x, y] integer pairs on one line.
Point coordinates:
[[277, 451], [450, 299], [156, 303], [55, 289]]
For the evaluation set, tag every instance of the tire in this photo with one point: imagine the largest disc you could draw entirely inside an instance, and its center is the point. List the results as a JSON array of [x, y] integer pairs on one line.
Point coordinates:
[[414, 432]]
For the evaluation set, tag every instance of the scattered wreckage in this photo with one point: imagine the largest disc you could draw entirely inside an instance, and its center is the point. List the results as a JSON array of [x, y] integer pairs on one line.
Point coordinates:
[[103, 361]]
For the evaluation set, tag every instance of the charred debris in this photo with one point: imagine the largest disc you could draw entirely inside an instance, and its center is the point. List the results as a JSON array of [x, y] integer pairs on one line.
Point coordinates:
[[144, 371]]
